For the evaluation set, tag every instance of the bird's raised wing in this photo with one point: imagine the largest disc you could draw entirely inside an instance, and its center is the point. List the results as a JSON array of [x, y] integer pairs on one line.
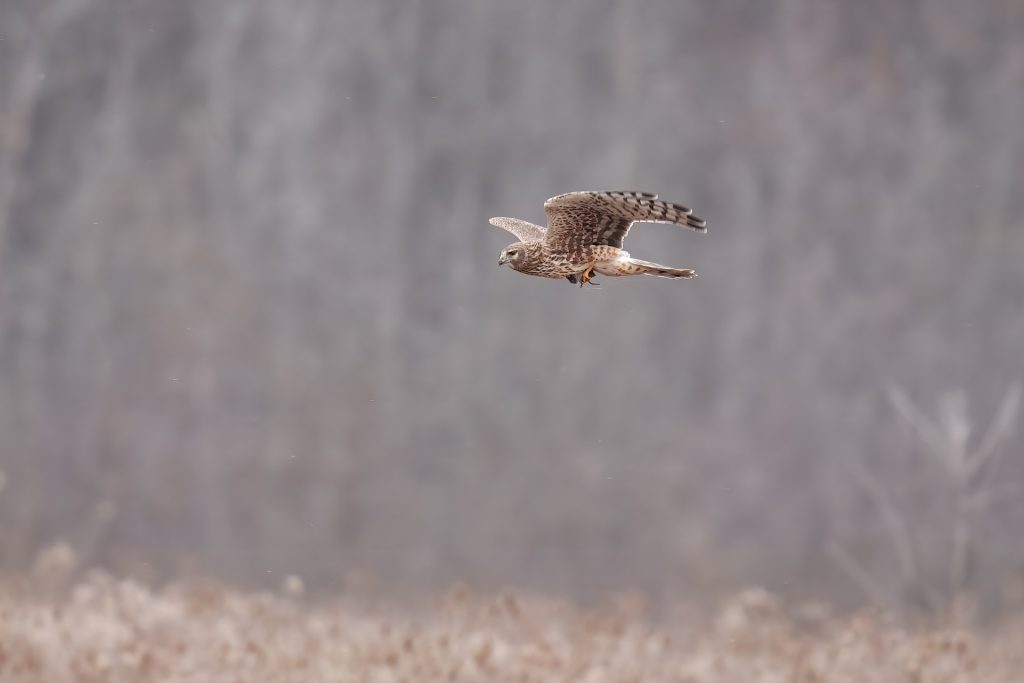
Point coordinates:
[[523, 230], [580, 219]]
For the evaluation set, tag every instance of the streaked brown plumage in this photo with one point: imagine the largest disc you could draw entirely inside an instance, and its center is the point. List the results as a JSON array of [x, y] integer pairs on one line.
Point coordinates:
[[585, 234]]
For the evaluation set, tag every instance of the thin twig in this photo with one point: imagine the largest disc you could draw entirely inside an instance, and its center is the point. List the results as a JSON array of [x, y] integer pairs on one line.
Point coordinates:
[[895, 523], [929, 432], [857, 573], [1000, 429]]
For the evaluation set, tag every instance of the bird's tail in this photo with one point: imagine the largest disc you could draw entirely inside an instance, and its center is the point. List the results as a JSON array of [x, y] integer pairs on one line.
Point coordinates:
[[634, 266]]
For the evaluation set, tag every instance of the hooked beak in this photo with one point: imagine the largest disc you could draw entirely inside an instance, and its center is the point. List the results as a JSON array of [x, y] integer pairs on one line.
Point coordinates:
[[502, 259]]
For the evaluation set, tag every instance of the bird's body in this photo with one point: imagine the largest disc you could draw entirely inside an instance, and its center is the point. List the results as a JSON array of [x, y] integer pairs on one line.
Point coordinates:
[[585, 234]]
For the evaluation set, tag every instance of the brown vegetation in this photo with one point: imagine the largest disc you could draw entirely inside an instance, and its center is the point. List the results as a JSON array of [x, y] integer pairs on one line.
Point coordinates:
[[104, 629]]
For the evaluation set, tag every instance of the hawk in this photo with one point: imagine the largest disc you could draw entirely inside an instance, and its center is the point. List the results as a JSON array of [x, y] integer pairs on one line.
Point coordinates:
[[585, 233]]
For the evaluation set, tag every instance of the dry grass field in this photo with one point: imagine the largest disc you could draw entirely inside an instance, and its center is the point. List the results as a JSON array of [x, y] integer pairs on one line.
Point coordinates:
[[104, 629]]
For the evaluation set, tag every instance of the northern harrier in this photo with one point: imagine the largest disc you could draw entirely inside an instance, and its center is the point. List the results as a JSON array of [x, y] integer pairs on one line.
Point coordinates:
[[585, 233]]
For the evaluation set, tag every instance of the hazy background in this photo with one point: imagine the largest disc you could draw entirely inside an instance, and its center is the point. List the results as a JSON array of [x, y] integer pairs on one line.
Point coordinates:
[[251, 322]]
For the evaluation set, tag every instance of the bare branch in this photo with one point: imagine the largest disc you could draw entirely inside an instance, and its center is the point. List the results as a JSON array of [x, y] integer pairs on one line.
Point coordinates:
[[859, 574], [930, 432], [957, 427], [980, 500], [1000, 429], [894, 523]]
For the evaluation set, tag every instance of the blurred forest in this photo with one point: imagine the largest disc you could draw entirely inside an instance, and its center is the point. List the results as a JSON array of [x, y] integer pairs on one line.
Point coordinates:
[[251, 323]]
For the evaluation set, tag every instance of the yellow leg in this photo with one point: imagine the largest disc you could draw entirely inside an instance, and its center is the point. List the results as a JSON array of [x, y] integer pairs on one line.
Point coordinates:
[[587, 275]]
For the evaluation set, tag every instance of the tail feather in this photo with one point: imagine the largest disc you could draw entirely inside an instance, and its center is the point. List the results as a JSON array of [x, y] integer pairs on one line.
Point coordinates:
[[634, 266]]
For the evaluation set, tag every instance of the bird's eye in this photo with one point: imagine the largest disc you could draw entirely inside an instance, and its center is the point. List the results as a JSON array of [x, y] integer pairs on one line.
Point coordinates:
[[513, 252]]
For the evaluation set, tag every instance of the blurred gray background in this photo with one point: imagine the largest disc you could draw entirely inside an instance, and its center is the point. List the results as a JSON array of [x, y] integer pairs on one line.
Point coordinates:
[[251, 322]]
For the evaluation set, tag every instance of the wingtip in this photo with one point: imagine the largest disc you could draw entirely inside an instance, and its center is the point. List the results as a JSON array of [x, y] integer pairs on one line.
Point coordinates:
[[502, 222]]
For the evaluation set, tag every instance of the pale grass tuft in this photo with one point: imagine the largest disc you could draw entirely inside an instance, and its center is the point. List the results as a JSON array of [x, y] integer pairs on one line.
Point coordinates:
[[53, 567], [293, 586]]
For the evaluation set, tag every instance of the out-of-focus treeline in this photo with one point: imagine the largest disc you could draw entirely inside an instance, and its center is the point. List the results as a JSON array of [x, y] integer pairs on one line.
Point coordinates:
[[251, 323]]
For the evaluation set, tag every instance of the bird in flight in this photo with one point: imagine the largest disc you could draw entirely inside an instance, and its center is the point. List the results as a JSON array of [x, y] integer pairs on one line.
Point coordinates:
[[585, 233]]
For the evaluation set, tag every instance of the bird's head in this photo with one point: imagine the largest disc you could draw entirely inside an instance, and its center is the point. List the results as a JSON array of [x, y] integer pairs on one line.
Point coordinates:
[[516, 255]]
